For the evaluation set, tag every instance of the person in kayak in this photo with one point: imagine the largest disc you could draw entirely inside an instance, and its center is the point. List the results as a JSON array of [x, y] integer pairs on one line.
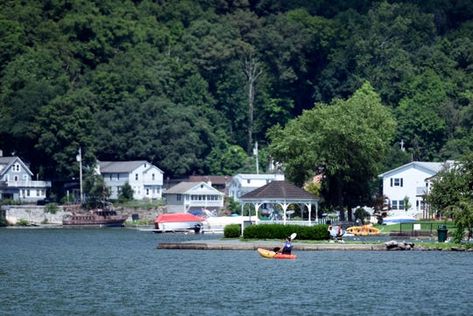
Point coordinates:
[[287, 248]]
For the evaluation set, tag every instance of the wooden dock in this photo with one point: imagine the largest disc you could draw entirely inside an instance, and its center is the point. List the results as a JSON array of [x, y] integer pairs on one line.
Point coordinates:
[[238, 245]]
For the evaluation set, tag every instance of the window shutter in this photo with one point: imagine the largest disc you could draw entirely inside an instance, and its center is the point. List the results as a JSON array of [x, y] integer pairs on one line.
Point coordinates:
[[391, 181], [401, 182]]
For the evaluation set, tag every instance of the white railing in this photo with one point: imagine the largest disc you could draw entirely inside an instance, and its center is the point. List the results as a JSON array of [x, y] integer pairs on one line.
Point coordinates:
[[204, 203], [28, 184]]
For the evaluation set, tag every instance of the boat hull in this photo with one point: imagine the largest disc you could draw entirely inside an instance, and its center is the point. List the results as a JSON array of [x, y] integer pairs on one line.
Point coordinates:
[[269, 254], [95, 219], [177, 222]]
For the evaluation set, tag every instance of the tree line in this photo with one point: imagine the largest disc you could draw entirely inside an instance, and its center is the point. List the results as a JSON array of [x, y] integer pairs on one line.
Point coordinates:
[[191, 85]]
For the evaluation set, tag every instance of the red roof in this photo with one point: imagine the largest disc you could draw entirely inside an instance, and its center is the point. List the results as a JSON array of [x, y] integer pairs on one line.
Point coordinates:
[[177, 217]]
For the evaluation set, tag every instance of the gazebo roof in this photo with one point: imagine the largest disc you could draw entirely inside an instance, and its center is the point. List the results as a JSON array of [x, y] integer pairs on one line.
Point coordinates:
[[279, 190]]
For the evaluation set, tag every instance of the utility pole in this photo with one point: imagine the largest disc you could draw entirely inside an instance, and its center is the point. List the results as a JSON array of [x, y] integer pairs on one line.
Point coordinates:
[[79, 159]]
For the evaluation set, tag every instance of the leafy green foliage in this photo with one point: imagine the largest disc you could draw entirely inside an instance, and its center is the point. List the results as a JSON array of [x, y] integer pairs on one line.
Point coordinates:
[[126, 193], [232, 231], [51, 208], [96, 191], [164, 80], [279, 231], [452, 195], [345, 140]]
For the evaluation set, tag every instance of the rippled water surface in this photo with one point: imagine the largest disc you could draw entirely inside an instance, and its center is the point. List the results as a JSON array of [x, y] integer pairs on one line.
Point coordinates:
[[120, 272]]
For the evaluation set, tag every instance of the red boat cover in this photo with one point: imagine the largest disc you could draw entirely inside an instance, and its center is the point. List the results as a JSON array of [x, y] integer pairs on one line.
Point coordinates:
[[177, 217]]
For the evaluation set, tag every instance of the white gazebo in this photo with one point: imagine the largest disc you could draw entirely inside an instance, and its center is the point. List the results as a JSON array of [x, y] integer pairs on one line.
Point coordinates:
[[280, 193]]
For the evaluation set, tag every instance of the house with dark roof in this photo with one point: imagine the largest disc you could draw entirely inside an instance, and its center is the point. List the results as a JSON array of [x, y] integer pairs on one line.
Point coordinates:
[[186, 197], [241, 183], [218, 182], [145, 179], [405, 187], [16, 181]]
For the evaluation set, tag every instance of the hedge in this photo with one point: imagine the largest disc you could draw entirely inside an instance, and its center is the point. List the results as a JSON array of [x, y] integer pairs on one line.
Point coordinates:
[[232, 231], [279, 231]]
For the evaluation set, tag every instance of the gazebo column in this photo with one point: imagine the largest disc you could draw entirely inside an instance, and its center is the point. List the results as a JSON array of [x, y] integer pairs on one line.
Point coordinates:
[[309, 206], [284, 208], [257, 206], [317, 212], [242, 219]]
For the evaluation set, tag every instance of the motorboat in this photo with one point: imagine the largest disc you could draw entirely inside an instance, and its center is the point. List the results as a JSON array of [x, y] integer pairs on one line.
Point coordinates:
[[178, 222]]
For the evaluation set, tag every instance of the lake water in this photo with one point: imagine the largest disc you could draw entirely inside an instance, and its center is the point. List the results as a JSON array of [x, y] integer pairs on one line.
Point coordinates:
[[120, 272]]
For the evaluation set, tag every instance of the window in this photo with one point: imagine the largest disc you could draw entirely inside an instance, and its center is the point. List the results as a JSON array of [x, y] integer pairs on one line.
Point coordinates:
[[25, 177], [179, 197], [394, 205], [28, 192], [136, 176], [147, 191], [110, 177], [152, 176], [16, 167], [401, 204], [118, 176], [397, 182], [248, 181], [38, 193], [15, 178]]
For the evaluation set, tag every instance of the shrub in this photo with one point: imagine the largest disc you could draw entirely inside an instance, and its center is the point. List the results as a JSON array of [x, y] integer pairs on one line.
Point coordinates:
[[232, 231], [51, 208], [22, 222], [279, 231]]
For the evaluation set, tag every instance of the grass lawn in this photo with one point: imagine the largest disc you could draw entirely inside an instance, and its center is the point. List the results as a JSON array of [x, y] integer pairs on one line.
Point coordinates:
[[424, 226]]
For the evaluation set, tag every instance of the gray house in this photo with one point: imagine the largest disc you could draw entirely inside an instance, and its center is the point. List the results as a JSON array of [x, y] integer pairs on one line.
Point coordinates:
[[16, 181], [192, 196], [145, 179]]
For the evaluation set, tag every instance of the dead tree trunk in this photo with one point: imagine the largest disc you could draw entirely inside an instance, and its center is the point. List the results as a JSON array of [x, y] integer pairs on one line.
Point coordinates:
[[252, 69]]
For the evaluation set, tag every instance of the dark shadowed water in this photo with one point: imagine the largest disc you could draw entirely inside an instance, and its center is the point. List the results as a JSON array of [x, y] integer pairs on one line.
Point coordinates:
[[120, 272]]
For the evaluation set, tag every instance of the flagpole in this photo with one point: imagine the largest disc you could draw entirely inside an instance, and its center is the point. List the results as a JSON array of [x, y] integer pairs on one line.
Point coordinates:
[[79, 158]]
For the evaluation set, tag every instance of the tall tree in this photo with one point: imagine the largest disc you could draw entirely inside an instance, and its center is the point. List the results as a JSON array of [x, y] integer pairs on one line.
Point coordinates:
[[345, 140], [452, 194]]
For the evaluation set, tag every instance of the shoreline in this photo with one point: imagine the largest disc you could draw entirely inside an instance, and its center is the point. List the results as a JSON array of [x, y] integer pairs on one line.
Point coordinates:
[[241, 245]]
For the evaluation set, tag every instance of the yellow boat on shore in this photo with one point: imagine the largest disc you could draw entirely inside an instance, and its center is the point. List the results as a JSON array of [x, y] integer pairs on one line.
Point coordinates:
[[365, 230]]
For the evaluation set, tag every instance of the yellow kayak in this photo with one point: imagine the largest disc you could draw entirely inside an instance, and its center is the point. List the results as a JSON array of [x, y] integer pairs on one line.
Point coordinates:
[[365, 230], [265, 253]]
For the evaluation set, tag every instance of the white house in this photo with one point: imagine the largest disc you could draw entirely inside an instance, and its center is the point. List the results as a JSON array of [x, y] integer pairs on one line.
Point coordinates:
[[244, 183], [409, 183], [16, 181], [190, 196], [145, 179]]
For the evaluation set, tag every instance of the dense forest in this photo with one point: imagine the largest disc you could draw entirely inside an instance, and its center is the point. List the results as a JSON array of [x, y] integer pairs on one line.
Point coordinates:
[[191, 85]]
